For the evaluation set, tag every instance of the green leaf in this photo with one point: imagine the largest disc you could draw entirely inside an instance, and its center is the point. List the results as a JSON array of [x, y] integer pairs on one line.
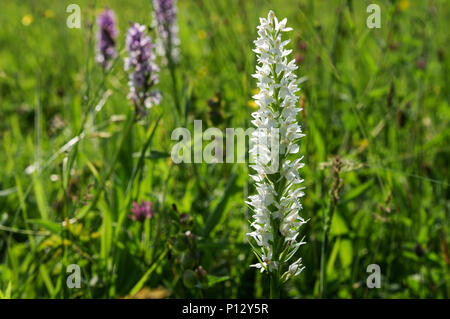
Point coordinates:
[[211, 281], [338, 225], [356, 191], [7, 293], [157, 155], [47, 281], [138, 286], [152, 154], [106, 238], [40, 197], [332, 259], [346, 253], [318, 141], [53, 227]]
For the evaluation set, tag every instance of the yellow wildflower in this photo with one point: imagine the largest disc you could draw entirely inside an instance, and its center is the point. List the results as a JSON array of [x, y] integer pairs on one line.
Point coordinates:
[[201, 34], [48, 13], [403, 5], [27, 20], [252, 104]]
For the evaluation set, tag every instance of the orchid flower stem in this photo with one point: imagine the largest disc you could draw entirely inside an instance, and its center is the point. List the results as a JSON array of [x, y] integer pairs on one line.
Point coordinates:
[[274, 285], [172, 69]]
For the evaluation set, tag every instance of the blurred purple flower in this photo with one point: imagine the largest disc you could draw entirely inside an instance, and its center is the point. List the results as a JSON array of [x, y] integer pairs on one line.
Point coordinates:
[[144, 71], [106, 38], [142, 211], [165, 11], [164, 20]]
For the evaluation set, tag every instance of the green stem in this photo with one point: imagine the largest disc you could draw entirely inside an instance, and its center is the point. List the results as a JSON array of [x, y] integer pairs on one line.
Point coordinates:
[[175, 90], [274, 285], [328, 216], [322, 264], [279, 184], [172, 70]]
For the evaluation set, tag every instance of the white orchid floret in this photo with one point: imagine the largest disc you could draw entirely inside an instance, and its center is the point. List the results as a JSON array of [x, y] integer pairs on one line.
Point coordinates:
[[276, 205], [296, 268], [266, 262]]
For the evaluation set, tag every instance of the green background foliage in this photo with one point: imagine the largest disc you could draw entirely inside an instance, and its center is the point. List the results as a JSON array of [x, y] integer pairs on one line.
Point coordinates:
[[378, 98]]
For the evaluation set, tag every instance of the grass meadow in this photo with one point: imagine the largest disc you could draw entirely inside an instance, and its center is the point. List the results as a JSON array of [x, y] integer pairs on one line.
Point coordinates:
[[74, 157]]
